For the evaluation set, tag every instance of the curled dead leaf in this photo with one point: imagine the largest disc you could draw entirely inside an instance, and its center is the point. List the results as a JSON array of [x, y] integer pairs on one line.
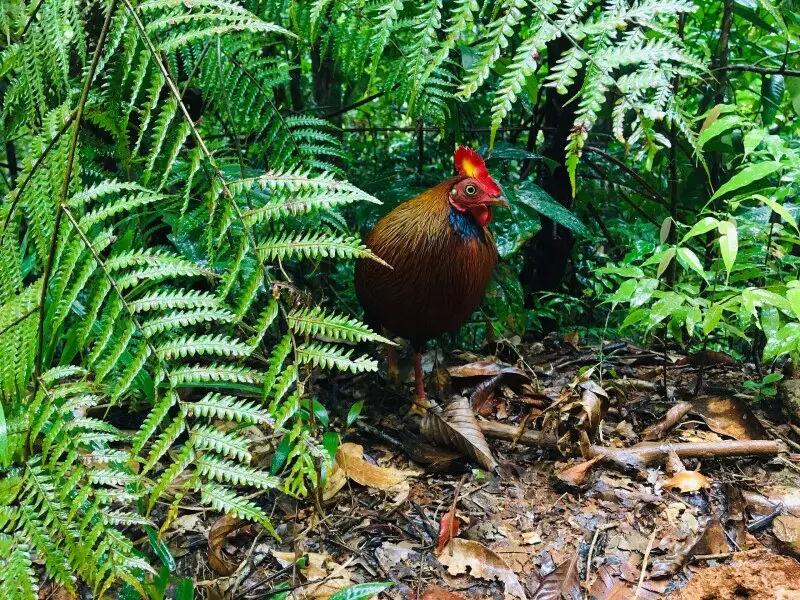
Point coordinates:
[[480, 562], [687, 481], [457, 427], [350, 457], [488, 369], [337, 478], [448, 529], [575, 476], [217, 559], [564, 582]]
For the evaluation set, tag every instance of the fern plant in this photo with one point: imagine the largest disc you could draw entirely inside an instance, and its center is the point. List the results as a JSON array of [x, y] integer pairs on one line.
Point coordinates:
[[145, 266], [624, 53]]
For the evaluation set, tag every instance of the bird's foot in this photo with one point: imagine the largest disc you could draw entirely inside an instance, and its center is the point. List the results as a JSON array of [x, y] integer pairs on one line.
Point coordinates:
[[420, 406]]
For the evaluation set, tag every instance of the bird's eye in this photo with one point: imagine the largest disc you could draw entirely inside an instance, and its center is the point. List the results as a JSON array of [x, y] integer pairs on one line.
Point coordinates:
[[470, 189]]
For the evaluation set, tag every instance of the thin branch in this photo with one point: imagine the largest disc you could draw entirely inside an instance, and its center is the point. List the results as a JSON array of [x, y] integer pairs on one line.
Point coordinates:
[[73, 145], [761, 70], [639, 179], [31, 18], [358, 103]]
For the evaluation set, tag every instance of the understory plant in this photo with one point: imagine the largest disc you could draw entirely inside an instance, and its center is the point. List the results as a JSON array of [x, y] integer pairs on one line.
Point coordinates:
[[146, 267]]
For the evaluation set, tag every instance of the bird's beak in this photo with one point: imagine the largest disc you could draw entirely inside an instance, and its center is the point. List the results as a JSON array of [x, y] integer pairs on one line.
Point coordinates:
[[498, 202]]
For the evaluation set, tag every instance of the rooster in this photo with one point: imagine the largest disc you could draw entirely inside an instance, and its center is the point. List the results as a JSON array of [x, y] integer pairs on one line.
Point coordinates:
[[442, 255]]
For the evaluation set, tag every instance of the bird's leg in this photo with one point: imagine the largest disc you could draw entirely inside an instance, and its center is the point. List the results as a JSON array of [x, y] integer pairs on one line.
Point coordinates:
[[420, 405], [392, 368]]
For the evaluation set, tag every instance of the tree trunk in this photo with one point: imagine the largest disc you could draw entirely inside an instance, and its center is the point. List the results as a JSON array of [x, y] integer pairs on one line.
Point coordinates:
[[545, 256]]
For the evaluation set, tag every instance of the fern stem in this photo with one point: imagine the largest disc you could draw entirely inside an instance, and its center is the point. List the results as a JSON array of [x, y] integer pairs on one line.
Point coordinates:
[[36, 165], [73, 144]]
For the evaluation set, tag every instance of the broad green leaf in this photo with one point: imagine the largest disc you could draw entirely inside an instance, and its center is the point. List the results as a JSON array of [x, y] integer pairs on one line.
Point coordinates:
[[185, 589], [772, 378], [786, 340], [772, 88], [280, 456], [362, 591], [354, 412], [634, 272], [793, 296], [330, 441], [793, 85], [728, 244], [690, 258], [663, 234], [752, 172], [634, 317], [713, 114], [704, 225], [665, 260], [644, 290], [762, 297], [710, 321], [718, 127], [752, 139], [665, 307], [542, 202], [778, 209], [624, 291], [161, 549]]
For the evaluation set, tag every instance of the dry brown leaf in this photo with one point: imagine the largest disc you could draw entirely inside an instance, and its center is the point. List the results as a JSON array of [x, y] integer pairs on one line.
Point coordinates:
[[687, 481], [488, 369], [575, 476], [610, 586], [448, 529], [711, 540], [564, 582], [334, 577], [435, 459], [217, 559], [456, 427], [337, 478], [727, 415], [350, 457], [481, 562], [573, 339], [434, 592], [787, 529]]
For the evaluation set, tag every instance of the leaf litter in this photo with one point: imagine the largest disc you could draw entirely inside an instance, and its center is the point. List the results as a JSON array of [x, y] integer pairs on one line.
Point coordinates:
[[604, 518]]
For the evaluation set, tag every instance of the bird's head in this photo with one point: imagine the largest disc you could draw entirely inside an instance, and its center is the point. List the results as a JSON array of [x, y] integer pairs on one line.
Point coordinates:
[[475, 192]]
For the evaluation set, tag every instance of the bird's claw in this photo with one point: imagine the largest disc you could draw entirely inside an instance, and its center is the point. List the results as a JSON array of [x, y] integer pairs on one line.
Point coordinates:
[[420, 407]]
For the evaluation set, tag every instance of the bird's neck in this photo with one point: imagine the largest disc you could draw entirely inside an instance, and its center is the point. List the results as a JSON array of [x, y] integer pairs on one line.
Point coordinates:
[[464, 224]]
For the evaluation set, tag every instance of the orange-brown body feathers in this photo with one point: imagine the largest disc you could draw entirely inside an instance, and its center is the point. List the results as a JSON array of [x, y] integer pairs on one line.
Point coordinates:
[[441, 259], [442, 256]]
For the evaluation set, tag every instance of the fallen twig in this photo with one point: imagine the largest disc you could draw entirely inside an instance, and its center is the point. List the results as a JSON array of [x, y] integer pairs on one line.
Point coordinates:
[[642, 454]]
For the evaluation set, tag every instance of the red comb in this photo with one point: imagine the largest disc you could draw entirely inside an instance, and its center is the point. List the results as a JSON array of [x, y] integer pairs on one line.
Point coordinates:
[[470, 164]]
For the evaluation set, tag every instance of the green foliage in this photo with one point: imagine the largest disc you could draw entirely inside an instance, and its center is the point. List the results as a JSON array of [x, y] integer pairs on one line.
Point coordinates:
[[163, 267]]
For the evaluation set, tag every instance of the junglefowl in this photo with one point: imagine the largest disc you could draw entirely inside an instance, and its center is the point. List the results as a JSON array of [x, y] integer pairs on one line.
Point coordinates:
[[441, 256]]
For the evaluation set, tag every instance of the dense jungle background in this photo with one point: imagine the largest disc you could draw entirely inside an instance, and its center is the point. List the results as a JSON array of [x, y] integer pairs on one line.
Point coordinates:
[[190, 403]]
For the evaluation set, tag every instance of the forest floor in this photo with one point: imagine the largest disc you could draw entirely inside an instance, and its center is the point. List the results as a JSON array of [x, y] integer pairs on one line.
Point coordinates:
[[710, 524]]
